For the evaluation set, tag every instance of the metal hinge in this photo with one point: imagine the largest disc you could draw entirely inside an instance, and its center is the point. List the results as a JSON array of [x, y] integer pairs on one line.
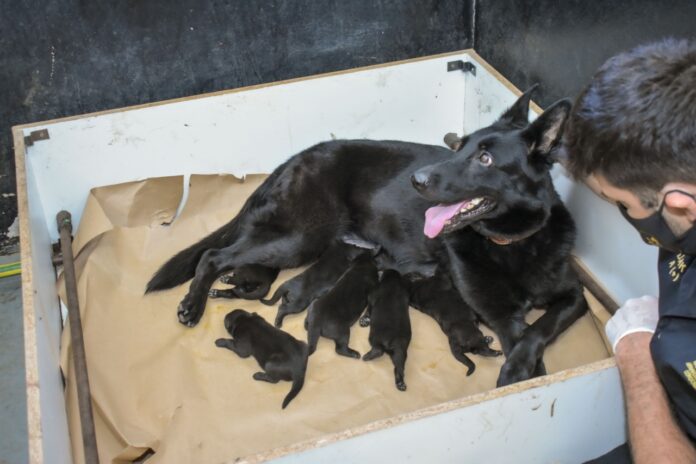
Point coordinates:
[[35, 136], [465, 66]]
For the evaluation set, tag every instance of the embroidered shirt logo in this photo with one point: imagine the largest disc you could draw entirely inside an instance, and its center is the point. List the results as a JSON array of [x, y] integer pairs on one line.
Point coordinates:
[[677, 266], [690, 373], [650, 240]]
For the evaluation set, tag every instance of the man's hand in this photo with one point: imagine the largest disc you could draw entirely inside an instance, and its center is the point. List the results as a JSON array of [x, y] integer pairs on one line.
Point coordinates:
[[636, 315]]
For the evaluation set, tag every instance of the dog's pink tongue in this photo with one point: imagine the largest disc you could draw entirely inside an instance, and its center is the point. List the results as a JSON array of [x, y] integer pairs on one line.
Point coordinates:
[[436, 216]]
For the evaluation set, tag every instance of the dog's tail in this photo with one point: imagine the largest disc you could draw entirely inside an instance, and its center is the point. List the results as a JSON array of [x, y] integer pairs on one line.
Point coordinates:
[[279, 293], [182, 266], [298, 380]]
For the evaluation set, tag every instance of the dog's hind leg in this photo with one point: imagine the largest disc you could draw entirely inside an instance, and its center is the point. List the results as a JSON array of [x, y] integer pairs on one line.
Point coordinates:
[[458, 353], [313, 331], [342, 347], [398, 357], [265, 377], [280, 252], [374, 353]]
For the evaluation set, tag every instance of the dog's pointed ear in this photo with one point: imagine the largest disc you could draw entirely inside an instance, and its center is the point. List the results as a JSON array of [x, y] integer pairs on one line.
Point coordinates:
[[545, 132], [518, 114]]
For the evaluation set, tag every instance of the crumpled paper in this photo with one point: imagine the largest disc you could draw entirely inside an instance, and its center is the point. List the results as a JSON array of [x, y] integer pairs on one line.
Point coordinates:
[[159, 385]]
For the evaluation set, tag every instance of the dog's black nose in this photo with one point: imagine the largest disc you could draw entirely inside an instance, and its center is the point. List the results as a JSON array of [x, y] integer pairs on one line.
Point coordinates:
[[420, 179]]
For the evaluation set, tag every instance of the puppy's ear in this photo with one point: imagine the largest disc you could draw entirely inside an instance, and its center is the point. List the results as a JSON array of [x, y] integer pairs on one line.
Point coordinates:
[[545, 132], [518, 114]]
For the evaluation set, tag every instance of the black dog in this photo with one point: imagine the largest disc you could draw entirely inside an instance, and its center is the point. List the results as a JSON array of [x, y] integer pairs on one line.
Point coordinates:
[[488, 214], [279, 354], [298, 292], [251, 282], [333, 314], [438, 299], [390, 326]]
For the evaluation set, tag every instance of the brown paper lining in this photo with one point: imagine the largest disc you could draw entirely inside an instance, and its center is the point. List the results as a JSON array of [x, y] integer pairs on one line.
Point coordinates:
[[157, 384]]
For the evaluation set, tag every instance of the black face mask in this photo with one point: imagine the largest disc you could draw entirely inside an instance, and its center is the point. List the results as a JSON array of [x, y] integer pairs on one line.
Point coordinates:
[[655, 231]]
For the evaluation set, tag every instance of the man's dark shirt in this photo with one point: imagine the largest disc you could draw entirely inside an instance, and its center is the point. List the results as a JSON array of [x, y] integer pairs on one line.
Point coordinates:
[[673, 346]]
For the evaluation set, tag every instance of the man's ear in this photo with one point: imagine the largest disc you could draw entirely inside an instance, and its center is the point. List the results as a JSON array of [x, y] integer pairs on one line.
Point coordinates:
[[518, 114], [545, 132], [679, 198], [453, 141]]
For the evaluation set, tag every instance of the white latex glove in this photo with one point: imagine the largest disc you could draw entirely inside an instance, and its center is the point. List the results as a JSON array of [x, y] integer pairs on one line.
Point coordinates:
[[636, 315]]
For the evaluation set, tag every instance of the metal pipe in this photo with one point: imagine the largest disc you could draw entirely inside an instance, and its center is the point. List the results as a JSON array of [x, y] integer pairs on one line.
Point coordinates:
[[84, 398]]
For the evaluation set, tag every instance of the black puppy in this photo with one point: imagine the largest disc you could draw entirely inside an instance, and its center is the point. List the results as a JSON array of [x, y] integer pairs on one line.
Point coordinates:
[[333, 314], [438, 298], [390, 326], [298, 292], [279, 354], [251, 282]]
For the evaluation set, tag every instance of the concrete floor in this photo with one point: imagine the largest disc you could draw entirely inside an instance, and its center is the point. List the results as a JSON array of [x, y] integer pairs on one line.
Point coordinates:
[[13, 404]]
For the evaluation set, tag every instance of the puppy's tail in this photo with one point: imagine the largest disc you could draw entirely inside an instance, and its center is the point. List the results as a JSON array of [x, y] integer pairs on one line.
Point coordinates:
[[298, 380]]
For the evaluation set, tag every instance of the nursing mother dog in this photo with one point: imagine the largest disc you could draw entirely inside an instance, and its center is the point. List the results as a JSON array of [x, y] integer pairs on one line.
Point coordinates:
[[487, 215]]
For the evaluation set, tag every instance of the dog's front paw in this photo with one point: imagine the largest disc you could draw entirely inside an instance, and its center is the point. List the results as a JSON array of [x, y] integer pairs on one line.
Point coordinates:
[[227, 279], [514, 371], [401, 386], [364, 321]]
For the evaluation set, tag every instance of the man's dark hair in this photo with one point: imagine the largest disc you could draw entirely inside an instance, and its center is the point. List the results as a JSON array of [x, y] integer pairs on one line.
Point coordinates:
[[635, 123]]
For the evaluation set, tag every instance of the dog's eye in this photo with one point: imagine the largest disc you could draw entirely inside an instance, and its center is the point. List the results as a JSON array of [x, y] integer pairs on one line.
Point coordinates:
[[485, 158]]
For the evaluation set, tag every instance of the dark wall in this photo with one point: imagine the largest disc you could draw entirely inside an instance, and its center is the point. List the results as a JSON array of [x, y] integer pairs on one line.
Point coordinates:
[[561, 43], [67, 57]]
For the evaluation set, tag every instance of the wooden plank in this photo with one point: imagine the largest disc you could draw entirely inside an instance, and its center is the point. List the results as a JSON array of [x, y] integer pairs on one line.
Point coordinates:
[[243, 89], [30, 347], [510, 391]]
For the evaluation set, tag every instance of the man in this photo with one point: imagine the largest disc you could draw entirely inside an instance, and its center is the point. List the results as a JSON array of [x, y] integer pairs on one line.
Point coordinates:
[[632, 138]]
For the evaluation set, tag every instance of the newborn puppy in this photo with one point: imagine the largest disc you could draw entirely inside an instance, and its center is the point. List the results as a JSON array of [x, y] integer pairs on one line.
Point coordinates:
[[251, 282], [390, 326], [437, 298], [280, 355], [333, 314], [298, 292]]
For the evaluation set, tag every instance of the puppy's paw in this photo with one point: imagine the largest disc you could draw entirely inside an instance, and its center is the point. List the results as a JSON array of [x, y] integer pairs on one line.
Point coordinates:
[[226, 279], [488, 339], [214, 293], [401, 386], [348, 352], [364, 321]]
